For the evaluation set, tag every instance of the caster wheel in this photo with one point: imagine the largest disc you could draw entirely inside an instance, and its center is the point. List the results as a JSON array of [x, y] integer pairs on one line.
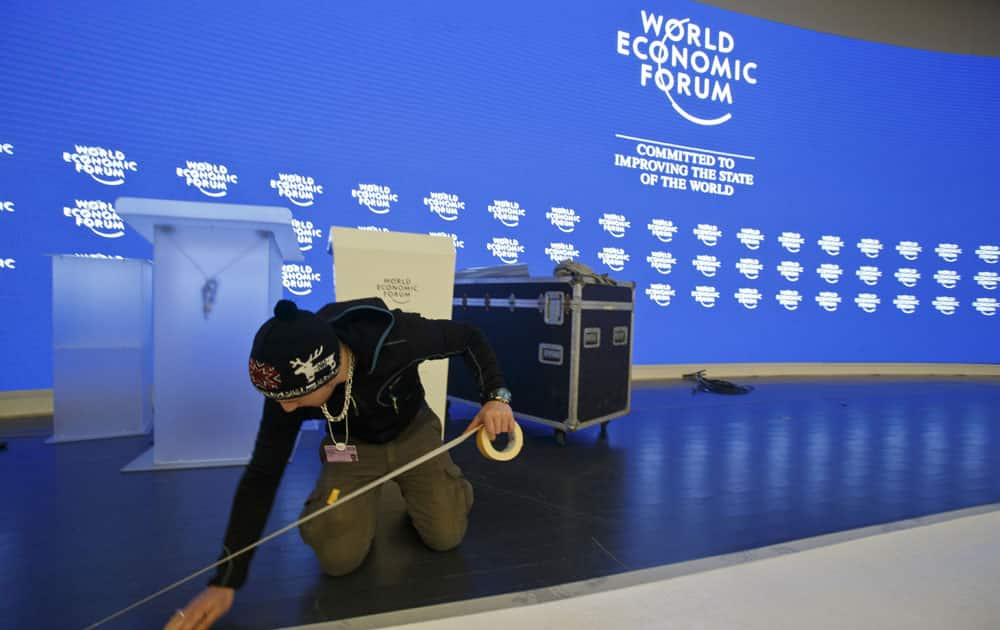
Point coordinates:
[[560, 436], [604, 430]]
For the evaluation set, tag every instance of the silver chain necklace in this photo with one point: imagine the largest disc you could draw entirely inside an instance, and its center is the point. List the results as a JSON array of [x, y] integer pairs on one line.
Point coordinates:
[[330, 418]]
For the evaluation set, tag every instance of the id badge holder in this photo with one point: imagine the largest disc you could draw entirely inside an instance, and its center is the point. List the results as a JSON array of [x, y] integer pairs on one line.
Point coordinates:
[[346, 454]]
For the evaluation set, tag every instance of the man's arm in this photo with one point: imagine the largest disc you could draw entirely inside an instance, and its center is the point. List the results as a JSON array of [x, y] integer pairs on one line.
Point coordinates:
[[442, 338], [256, 491], [247, 517]]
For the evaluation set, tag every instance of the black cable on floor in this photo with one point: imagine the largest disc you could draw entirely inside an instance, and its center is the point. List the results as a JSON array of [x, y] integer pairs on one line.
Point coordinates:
[[715, 385]]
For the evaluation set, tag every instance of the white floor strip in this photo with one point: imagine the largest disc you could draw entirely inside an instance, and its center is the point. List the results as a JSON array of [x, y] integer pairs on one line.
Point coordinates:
[[933, 572]]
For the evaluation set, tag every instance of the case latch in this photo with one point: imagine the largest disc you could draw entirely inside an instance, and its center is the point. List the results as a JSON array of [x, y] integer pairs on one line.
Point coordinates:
[[554, 304]]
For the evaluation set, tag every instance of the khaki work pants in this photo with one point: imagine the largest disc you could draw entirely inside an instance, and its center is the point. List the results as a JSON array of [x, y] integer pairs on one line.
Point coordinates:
[[437, 495]]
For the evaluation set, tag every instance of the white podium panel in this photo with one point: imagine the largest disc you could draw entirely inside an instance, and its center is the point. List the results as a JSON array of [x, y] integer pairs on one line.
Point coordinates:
[[216, 277], [412, 272], [102, 348]]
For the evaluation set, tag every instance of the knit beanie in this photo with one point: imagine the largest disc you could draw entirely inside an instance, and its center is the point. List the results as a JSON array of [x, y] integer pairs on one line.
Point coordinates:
[[294, 353]]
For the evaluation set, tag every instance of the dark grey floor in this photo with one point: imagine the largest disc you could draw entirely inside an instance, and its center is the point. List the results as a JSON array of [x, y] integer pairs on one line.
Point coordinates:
[[683, 477]]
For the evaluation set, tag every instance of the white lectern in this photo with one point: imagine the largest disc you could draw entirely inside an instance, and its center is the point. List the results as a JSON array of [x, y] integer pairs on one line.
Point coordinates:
[[412, 272], [101, 348], [216, 278]]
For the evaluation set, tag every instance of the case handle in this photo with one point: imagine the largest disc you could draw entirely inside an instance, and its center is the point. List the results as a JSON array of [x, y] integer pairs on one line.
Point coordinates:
[[619, 336], [550, 354]]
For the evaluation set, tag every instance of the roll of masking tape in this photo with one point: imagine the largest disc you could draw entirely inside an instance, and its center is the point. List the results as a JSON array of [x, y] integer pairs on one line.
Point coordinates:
[[515, 440]]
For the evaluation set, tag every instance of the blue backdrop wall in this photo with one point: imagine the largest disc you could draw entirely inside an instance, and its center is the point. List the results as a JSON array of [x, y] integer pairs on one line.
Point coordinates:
[[776, 194]]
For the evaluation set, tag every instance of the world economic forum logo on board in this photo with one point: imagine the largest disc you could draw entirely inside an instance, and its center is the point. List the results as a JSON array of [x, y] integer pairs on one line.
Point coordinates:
[[907, 304], [789, 299], [378, 198], [105, 166], [831, 244], [870, 247], [910, 250], [707, 265], [987, 279], [455, 240], [445, 205], [706, 296], [750, 237], [790, 270], [867, 302], [986, 306], [662, 229], [908, 277], [748, 298], [829, 301], [792, 241], [949, 252], [660, 294], [697, 67], [507, 212], [662, 262], [830, 273], [506, 249], [614, 224], [707, 233], [614, 257], [948, 278], [989, 254], [558, 252], [298, 189], [565, 219], [212, 180], [299, 279], [305, 233], [99, 256], [398, 289], [869, 275], [750, 268], [945, 304], [100, 217]]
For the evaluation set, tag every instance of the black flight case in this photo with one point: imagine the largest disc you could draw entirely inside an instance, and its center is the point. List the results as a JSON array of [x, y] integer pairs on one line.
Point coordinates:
[[564, 345]]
